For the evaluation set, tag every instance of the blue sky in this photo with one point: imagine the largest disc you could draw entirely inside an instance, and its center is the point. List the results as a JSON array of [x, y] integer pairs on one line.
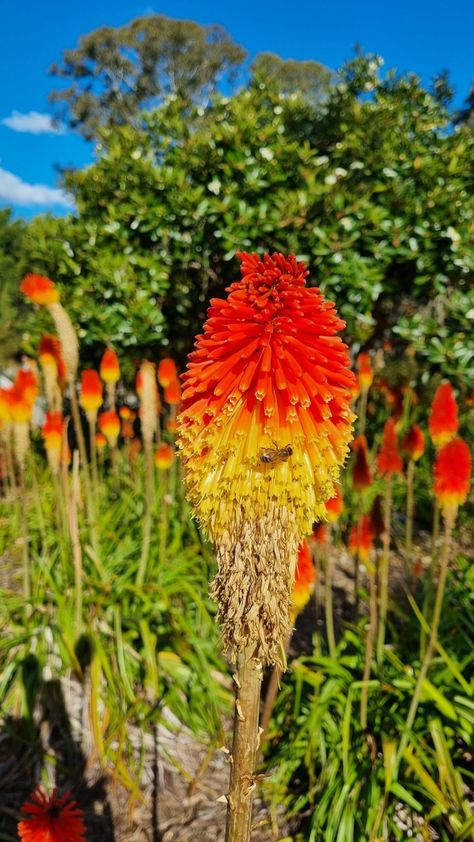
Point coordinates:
[[424, 36]]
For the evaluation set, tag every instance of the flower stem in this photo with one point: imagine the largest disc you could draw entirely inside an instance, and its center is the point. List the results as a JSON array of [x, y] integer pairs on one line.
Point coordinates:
[[428, 600], [363, 411], [244, 749], [428, 657], [409, 523], [369, 646], [147, 520], [328, 606], [384, 569]]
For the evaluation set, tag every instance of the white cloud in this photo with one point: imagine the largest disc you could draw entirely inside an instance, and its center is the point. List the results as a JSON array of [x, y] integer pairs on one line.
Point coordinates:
[[18, 192], [32, 123]]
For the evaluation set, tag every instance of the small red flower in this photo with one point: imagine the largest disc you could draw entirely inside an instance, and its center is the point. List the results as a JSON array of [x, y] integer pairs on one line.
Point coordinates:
[[164, 457], [50, 354], [109, 425], [167, 372], [39, 289], [304, 578], [376, 518], [366, 374], [389, 460], [26, 382], [413, 443], [335, 506], [91, 390], [100, 440], [443, 421], [320, 533], [361, 539], [51, 819], [452, 474], [172, 393], [361, 474], [53, 430], [109, 366]]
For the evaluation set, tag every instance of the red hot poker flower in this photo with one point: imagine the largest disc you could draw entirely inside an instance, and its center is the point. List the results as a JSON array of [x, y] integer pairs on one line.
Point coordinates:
[[39, 289], [51, 819], [109, 366], [443, 421], [109, 424], [361, 539], [335, 506], [167, 372], [172, 393], [366, 374], [26, 382], [164, 456], [264, 430], [389, 460], [53, 430], [452, 475], [361, 474], [91, 391], [413, 443], [304, 578]]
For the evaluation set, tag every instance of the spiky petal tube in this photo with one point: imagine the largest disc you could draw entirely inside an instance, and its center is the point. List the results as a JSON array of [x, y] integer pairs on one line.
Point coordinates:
[[264, 430]]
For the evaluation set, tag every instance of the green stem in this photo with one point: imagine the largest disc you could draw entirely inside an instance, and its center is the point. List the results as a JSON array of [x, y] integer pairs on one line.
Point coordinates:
[[328, 604], [384, 568], [369, 647], [428, 600], [147, 520], [443, 572], [409, 523]]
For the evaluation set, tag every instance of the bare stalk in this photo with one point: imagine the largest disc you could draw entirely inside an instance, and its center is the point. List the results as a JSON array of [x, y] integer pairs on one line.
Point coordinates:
[[428, 657], [147, 520], [244, 749], [369, 645], [363, 411], [73, 506], [384, 568], [409, 524], [328, 606], [428, 600]]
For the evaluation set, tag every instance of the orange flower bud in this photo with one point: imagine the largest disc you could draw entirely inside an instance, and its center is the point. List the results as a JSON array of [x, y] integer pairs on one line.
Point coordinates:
[[389, 460], [413, 443], [167, 372], [100, 440], [443, 421], [26, 382], [361, 539], [361, 474], [109, 366], [452, 474], [91, 391], [366, 374], [21, 409], [53, 431], [172, 393], [5, 406], [127, 431], [164, 457], [39, 289], [304, 578], [109, 424], [126, 413], [320, 533], [335, 506]]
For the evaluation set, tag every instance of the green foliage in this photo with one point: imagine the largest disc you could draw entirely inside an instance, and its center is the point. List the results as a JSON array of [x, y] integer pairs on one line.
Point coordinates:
[[373, 188], [145, 652], [116, 72], [340, 783], [309, 79], [13, 262]]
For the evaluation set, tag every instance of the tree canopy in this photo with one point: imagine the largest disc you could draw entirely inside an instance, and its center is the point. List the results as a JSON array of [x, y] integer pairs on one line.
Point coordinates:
[[114, 72], [372, 187]]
